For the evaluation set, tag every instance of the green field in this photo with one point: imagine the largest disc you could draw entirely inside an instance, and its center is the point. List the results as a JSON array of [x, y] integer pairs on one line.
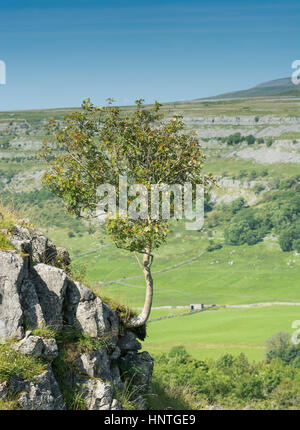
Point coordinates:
[[213, 333], [259, 273]]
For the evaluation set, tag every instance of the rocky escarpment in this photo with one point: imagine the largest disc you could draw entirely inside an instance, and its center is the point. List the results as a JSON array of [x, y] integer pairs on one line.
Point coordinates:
[[79, 340]]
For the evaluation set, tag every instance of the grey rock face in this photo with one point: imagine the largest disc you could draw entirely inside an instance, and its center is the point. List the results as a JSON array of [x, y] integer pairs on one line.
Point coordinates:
[[63, 256], [41, 394], [32, 345], [116, 406], [51, 284], [13, 269], [18, 385], [37, 347], [32, 311], [116, 380], [97, 395], [115, 354], [95, 364], [24, 221], [44, 294], [142, 369], [50, 349], [3, 389], [128, 342], [88, 312], [40, 247]]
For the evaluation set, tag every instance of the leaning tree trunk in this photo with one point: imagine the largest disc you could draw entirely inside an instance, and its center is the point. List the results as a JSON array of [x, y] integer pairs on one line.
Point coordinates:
[[140, 319]]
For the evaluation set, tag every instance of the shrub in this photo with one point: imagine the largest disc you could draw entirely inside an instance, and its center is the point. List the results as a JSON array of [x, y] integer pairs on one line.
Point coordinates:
[[91, 229], [296, 362], [253, 175], [258, 188], [240, 232], [280, 346], [178, 351], [269, 142], [231, 382], [250, 139], [242, 174], [234, 139], [213, 247], [277, 345], [286, 395], [286, 240], [5, 144], [296, 245], [237, 205]]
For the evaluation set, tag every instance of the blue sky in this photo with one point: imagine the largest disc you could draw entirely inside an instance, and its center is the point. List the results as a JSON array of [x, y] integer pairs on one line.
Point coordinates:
[[59, 52]]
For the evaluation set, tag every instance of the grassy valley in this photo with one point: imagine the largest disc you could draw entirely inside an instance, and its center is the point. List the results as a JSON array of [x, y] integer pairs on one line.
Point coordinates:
[[190, 268]]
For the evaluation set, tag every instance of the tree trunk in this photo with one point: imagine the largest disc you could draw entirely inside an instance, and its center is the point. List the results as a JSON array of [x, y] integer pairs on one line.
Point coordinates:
[[144, 315]]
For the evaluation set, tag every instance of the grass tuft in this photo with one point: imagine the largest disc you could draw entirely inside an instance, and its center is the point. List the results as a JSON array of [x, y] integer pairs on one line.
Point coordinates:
[[9, 403], [123, 311], [45, 331], [8, 219], [13, 364], [128, 395], [125, 314], [4, 242]]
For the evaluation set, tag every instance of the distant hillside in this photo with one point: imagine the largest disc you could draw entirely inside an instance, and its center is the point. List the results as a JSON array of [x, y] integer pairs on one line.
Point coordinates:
[[283, 86]]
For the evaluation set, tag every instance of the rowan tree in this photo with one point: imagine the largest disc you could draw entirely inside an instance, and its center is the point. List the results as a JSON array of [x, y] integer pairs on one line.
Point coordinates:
[[97, 145]]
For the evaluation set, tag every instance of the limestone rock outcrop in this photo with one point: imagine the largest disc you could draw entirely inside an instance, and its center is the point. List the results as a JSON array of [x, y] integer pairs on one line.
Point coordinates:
[[42, 393], [40, 248], [35, 294]]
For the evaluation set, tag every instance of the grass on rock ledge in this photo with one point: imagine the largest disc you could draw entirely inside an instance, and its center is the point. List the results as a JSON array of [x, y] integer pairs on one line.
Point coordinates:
[[8, 219], [14, 364]]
